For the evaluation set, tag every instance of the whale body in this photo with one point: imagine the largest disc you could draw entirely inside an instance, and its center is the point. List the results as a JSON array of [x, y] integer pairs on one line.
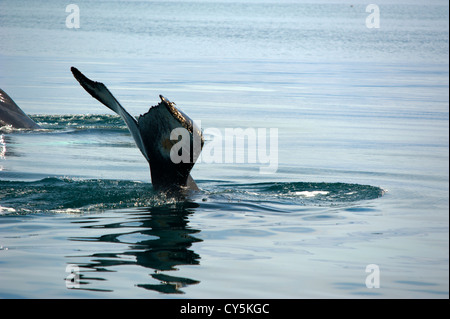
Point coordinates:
[[152, 135], [12, 115]]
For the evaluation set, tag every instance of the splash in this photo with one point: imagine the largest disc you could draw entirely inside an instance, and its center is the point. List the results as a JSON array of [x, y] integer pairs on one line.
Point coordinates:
[[71, 195]]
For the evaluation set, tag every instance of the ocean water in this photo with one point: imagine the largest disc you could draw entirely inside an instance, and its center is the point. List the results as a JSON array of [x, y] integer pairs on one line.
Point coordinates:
[[355, 204]]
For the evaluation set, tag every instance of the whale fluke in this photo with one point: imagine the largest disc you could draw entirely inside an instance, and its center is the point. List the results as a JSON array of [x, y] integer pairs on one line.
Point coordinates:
[[152, 134], [11, 114]]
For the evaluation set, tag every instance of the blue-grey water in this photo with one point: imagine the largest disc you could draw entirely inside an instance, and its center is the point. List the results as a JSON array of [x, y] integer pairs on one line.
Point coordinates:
[[362, 151]]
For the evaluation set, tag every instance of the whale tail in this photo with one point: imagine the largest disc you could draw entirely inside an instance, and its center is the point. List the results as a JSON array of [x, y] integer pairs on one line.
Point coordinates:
[[152, 134], [100, 92]]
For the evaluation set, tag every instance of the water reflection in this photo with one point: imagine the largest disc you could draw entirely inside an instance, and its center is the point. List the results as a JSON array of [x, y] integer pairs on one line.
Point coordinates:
[[7, 148], [159, 240]]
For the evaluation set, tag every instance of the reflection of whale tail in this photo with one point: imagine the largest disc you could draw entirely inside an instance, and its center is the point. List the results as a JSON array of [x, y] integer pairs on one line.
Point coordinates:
[[151, 132], [11, 114], [161, 241]]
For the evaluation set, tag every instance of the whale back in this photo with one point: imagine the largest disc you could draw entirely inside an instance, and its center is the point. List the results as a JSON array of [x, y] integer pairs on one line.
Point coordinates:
[[11, 114]]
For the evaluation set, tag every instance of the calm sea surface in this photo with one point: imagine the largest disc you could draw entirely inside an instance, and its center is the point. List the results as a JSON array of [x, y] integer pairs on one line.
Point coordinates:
[[355, 206]]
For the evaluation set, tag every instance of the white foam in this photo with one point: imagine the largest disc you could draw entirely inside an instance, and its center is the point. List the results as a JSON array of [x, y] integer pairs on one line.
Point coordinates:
[[6, 210], [311, 194]]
